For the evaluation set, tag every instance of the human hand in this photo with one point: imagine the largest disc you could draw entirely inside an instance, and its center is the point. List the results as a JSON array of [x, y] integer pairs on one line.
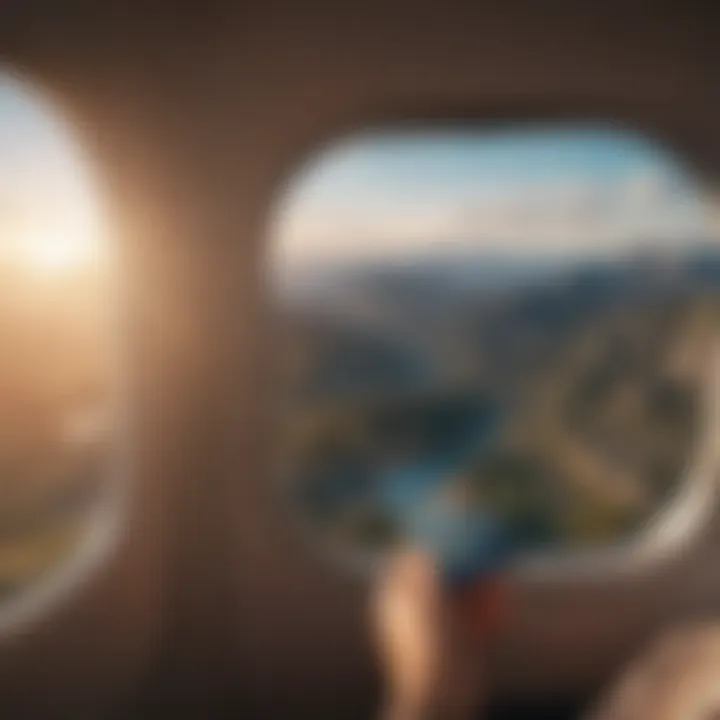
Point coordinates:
[[433, 665]]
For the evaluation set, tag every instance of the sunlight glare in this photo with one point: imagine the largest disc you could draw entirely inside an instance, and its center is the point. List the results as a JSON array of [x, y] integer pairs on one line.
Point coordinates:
[[57, 253]]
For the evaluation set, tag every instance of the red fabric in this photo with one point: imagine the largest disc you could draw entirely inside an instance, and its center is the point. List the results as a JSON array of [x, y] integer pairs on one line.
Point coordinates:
[[486, 605]]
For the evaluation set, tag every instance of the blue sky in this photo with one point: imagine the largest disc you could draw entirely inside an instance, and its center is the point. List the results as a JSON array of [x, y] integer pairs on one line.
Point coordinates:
[[582, 187], [34, 143], [48, 200], [381, 169]]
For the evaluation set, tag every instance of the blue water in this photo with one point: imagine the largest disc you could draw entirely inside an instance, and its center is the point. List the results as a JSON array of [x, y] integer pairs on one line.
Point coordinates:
[[466, 540], [454, 447]]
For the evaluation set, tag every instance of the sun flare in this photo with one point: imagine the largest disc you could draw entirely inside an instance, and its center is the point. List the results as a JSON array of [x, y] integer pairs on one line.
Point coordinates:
[[57, 253]]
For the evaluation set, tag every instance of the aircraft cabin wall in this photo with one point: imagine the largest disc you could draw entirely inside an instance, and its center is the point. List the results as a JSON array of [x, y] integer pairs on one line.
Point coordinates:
[[196, 114]]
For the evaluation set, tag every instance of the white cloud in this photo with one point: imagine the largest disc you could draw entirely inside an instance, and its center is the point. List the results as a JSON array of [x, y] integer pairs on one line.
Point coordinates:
[[559, 216]]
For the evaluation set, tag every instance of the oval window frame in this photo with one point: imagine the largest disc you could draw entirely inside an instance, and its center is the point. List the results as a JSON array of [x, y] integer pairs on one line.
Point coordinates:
[[104, 526], [676, 524]]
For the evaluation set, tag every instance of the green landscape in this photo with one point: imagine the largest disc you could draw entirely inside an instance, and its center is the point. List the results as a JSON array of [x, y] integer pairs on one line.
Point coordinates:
[[585, 384]]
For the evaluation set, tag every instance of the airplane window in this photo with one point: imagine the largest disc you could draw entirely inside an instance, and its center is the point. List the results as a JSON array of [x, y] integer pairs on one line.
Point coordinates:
[[520, 313], [56, 357]]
